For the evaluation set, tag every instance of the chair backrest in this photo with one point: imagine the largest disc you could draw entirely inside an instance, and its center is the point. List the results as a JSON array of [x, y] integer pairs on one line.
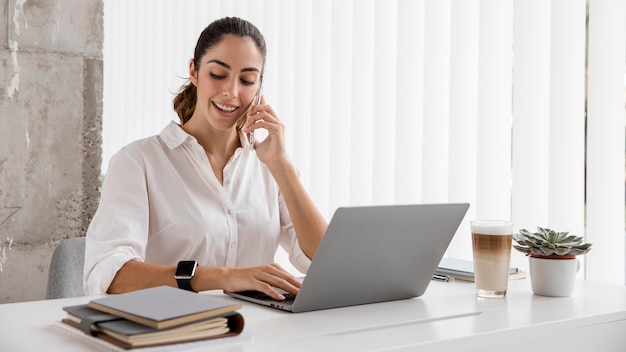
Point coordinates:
[[65, 278]]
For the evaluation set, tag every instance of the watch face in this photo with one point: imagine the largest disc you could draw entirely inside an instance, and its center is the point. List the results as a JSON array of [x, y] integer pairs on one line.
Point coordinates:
[[185, 268]]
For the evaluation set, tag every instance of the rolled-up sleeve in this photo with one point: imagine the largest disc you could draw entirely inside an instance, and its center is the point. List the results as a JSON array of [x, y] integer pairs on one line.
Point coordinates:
[[119, 230], [289, 240]]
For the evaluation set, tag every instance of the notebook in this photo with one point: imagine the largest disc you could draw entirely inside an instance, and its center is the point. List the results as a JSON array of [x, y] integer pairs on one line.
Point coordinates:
[[373, 254]]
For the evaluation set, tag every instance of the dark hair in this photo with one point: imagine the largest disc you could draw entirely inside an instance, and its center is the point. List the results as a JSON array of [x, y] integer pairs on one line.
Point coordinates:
[[185, 101]]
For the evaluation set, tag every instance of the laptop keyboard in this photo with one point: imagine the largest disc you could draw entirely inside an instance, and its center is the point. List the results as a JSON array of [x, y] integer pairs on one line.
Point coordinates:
[[289, 297]]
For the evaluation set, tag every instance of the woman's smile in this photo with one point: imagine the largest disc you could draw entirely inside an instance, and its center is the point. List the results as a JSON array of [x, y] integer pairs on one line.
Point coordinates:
[[225, 108]]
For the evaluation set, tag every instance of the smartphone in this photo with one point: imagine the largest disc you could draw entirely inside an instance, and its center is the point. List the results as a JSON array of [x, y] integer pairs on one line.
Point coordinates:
[[258, 101]]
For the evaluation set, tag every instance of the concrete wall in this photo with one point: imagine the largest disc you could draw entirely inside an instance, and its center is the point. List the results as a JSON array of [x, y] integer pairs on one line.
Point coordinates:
[[50, 134]]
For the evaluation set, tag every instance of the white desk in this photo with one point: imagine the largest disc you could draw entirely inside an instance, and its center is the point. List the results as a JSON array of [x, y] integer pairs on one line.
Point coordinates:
[[447, 318]]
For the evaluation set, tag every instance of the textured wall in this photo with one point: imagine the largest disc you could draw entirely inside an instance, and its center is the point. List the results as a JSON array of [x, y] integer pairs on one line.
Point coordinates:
[[50, 134]]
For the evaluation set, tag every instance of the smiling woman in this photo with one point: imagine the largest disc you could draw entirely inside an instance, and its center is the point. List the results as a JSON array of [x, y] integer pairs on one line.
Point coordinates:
[[407, 101], [220, 87], [224, 70], [197, 206]]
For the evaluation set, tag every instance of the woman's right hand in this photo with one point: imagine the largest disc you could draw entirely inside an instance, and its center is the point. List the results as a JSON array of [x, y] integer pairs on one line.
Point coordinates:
[[261, 278], [135, 275]]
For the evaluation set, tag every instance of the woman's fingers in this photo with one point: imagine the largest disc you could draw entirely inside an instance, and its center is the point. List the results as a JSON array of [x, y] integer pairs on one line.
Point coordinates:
[[261, 112], [264, 279]]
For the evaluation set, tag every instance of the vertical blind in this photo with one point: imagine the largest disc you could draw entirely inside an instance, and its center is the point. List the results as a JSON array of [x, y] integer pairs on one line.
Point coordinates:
[[403, 101]]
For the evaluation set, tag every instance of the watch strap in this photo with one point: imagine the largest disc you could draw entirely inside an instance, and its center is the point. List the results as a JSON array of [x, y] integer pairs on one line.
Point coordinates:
[[185, 284]]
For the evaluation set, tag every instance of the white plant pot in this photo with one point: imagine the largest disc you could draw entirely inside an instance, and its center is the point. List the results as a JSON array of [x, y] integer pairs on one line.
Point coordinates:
[[553, 277]]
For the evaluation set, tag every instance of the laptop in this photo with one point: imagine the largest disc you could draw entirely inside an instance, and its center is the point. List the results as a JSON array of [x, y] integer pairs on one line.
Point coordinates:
[[372, 254]]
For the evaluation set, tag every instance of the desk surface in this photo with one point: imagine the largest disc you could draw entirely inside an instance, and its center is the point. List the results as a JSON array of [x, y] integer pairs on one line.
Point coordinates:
[[448, 317]]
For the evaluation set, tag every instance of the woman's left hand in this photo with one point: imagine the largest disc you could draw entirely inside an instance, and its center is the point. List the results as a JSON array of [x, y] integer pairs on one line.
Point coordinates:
[[272, 149], [308, 223]]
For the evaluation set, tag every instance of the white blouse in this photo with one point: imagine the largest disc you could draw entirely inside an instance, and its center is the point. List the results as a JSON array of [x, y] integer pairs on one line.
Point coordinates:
[[161, 203]]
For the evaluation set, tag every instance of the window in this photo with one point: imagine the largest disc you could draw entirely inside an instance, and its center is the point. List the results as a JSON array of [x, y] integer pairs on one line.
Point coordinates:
[[408, 101]]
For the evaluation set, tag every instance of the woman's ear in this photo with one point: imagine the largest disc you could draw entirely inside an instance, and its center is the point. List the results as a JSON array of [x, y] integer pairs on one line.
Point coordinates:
[[193, 74]]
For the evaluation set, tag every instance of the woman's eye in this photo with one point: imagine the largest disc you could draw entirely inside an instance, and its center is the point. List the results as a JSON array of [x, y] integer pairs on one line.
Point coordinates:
[[216, 76], [247, 83]]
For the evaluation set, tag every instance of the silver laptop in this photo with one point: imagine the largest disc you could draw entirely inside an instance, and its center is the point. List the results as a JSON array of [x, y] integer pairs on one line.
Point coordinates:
[[372, 254]]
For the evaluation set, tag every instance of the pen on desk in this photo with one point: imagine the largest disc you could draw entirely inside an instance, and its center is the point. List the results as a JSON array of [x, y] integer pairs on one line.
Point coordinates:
[[446, 278]]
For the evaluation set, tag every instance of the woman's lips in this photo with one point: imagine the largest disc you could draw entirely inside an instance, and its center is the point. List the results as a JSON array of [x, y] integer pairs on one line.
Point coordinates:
[[225, 108]]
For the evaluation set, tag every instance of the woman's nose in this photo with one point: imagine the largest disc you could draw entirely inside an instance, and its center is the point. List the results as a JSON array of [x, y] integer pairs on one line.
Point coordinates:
[[230, 89]]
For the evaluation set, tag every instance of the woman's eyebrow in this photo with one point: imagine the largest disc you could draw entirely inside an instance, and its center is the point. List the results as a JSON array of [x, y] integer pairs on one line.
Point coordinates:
[[221, 63], [227, 66]]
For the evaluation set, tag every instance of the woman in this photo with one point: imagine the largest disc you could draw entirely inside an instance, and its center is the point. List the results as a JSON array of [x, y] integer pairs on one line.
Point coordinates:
[[200, 192]]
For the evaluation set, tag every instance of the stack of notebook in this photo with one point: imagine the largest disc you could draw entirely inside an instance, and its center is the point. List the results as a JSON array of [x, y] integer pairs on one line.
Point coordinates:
[[156, 316], [462, 269]]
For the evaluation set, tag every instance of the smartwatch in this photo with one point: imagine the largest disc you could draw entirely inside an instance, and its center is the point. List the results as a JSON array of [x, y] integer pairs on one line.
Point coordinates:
[[184, 273]]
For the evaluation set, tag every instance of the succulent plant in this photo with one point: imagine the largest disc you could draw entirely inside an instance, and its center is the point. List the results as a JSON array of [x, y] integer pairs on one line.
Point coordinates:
[[548, 242]]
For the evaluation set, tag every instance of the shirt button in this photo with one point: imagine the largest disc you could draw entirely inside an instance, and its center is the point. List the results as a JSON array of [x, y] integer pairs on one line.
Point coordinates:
[[230, 212]]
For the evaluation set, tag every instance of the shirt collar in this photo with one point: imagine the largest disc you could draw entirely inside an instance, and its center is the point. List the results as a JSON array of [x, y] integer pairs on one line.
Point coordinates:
[[173, 135]]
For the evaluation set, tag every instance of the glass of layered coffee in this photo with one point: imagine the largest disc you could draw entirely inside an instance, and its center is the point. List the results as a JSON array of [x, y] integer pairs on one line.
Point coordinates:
[[491, 243]]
